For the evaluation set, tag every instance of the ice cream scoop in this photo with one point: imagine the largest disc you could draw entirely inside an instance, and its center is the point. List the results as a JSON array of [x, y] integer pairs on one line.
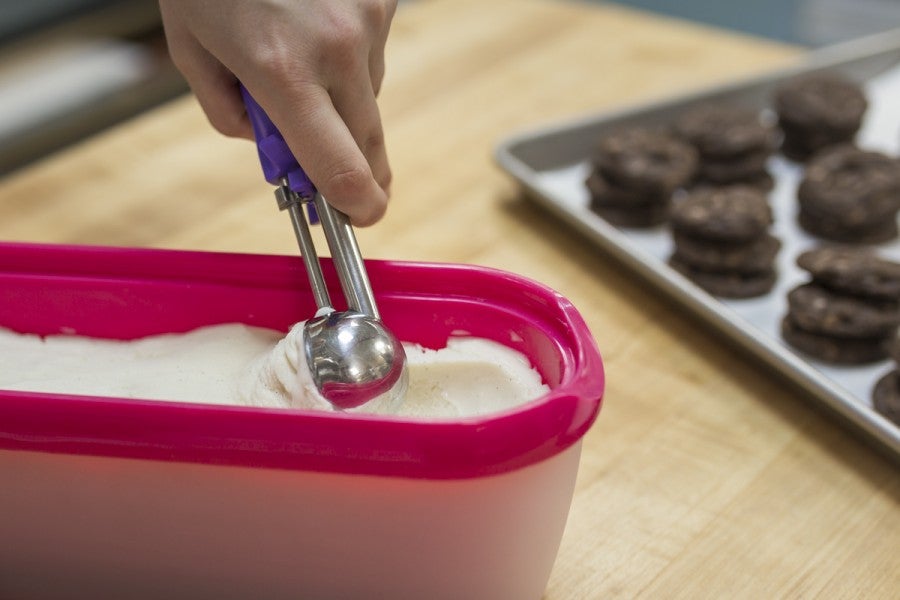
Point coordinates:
[[353, 358]]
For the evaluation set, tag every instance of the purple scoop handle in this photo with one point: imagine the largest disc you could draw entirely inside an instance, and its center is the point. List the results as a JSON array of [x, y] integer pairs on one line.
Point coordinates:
[[277, 160]]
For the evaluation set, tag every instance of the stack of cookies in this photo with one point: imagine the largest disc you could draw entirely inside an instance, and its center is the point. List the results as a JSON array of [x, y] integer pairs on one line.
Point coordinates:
[[850, 195], [722, 242], [849, 311], [816, 111], [635, 172], [733, 143], [886, 393]]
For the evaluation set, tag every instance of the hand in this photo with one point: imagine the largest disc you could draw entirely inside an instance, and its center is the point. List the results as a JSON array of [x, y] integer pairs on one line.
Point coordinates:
[[315, 66]]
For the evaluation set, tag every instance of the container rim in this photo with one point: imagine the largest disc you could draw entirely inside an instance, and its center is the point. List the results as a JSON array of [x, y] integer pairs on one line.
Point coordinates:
[[307, 440]]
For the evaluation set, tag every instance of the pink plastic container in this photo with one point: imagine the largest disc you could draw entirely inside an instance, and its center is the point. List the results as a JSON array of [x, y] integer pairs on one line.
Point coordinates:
[[106, 498]]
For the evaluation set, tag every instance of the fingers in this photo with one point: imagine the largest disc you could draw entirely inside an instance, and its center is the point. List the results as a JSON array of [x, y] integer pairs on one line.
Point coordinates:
[[219, 96], [214, 86], [355, 103], [332, 124], [315, 67], [322, 143], [376, 71], [376, 54]]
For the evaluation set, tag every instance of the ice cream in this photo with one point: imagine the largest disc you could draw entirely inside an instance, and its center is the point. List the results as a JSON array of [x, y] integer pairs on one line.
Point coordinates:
[[242, 365]]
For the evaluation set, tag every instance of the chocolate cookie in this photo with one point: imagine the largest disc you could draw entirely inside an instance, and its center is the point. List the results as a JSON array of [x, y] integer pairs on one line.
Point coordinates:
[[886, 396], [815, 111], [727, 284], [800, 145], [756, 256], [638, 217], [763, 181], [796, 150], [817, 309], [609, 196], [832, 349], [625, 207], [745, 167], [856, 188], [853, 270], [837, 231], [721, 131], [646, 160], [729, 214], [824, 100]]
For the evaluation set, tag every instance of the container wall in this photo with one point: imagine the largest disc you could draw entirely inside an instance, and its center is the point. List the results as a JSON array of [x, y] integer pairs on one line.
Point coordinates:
[[112, 527]]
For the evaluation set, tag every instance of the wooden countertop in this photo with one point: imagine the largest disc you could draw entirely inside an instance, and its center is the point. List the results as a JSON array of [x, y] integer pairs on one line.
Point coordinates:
[[705, 475]]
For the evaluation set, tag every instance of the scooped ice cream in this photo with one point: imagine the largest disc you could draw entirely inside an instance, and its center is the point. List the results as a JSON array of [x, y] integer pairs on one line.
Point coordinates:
[[242, 365]]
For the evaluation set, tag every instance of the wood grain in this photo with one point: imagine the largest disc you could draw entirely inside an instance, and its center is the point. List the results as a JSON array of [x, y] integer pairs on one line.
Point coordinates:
[[705, 475]]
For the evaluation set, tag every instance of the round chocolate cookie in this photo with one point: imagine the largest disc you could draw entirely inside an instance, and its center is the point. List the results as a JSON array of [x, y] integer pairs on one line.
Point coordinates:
[[817, 111], [853, 187], [625, 207], [734, 170], [830, 349], [825, 100], [836, 231], [721, 131], [801, 145], [646, 160], [763, 181], [737, 213], [635, 217], [817, 309], [728, 284], [886, 396], [796, 150], [609, 196], [853, 270], [756, 256]]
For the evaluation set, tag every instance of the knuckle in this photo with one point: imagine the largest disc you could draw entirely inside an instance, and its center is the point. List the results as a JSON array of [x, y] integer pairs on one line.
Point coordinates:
[[229, 125], [347, 184], [180, 59], [377, 80], [373, 143], [344, 44], [274, 60], [376, 12], [227, 122], [385, 178]]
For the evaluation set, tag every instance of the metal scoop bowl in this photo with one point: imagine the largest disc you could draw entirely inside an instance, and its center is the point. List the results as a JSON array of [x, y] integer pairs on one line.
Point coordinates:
[[352, 357]]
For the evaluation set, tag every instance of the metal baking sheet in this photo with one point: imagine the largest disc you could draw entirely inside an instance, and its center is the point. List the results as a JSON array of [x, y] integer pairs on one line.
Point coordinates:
[[552, 165]]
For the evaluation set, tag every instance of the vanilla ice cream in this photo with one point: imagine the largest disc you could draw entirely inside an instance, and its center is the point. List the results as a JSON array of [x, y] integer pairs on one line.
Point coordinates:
[[241, 365]]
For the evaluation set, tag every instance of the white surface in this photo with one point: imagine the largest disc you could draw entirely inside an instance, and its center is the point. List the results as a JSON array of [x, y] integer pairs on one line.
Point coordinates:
[[880, 131], [241, 365]]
